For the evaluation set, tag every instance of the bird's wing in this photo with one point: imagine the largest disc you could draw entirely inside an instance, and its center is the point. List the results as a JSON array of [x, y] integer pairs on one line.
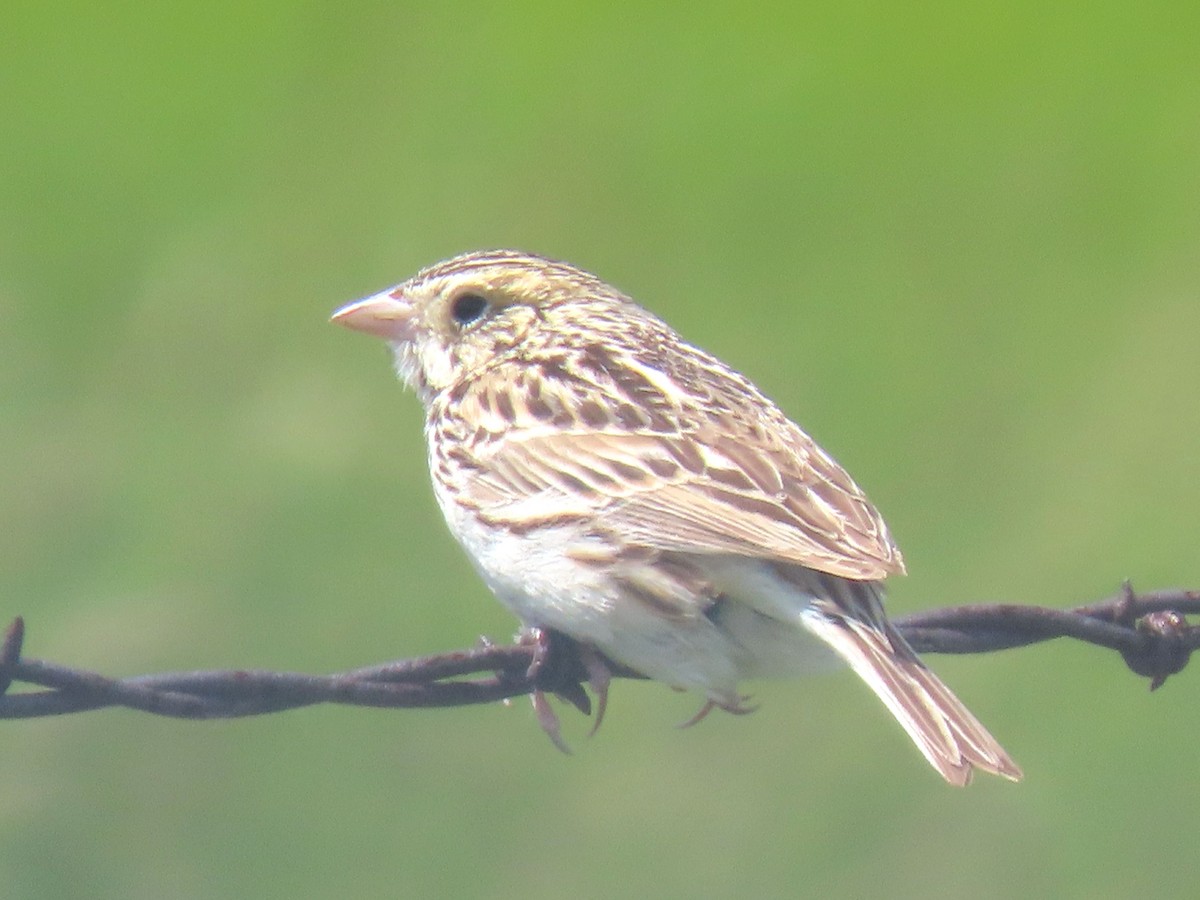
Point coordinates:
[[745, 481]]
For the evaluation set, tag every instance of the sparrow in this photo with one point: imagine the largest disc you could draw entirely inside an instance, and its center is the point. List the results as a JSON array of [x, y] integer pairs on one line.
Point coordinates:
[[612, 482]]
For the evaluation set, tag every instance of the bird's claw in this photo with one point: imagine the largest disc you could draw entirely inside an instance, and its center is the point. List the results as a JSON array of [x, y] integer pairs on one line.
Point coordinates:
[[737, 708], [599, 678], [548, 719]]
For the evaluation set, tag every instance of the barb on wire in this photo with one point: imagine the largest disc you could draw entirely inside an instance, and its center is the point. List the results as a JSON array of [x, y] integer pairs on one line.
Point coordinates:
[[1150, 631]]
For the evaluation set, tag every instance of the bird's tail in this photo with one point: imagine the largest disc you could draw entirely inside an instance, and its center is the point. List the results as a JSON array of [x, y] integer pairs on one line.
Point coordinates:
[[851, 620]]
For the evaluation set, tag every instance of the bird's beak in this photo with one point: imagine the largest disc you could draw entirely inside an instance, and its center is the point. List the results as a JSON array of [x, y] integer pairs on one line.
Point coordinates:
[[387, 315]]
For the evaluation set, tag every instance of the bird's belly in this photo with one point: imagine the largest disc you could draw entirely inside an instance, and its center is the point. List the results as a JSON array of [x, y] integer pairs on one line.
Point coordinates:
[[536, 575], [533, 574]]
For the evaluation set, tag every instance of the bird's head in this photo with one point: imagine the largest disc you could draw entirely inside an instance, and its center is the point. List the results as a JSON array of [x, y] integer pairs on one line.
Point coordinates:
[[448, 322]]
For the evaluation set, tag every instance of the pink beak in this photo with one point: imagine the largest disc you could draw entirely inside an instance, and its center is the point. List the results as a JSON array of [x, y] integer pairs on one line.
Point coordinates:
[[386, 315]]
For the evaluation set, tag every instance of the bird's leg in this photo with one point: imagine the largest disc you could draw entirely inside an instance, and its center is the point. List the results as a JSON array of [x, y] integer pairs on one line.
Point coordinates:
[[540, 639]]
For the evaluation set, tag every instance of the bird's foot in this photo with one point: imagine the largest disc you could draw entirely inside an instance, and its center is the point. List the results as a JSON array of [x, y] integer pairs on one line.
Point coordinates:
[[737, 708], [541, 673]]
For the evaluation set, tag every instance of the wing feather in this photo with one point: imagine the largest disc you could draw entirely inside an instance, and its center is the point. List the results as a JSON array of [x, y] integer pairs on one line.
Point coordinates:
[[638, 486], [673, 451]]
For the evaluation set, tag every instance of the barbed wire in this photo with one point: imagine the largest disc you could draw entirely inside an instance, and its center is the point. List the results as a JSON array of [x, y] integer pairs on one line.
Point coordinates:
[[1149, 630]]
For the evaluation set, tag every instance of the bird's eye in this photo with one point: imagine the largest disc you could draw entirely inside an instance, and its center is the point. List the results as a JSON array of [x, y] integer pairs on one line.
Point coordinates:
[[466, 308]]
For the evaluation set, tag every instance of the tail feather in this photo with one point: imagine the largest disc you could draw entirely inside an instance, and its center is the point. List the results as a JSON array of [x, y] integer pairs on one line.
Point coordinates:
[[944, 730]]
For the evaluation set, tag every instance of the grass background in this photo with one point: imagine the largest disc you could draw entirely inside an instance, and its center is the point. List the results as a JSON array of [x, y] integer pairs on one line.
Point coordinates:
[[961, 245]]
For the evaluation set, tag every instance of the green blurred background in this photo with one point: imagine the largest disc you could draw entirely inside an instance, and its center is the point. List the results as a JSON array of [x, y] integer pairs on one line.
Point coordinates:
[[961, 245]]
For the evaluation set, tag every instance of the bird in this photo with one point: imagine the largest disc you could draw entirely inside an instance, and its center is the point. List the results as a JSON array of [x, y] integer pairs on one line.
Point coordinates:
[[614, 483]]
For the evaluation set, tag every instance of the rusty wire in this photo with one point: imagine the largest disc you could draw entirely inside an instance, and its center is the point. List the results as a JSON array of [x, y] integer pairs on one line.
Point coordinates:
[[1149, 630]]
